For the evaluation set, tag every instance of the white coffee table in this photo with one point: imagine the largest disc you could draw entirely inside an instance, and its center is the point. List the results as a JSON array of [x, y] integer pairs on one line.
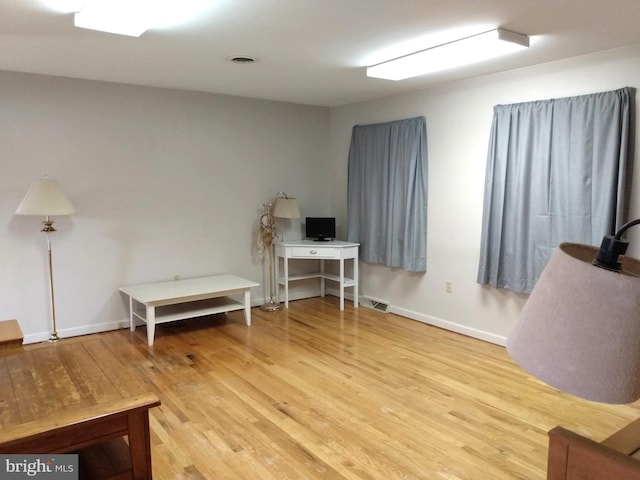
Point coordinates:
[[161, 302]]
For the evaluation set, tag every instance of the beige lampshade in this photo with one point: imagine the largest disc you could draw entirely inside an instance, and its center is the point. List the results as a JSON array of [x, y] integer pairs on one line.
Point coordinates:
[[580, 329], [46, 198], [286, 207]]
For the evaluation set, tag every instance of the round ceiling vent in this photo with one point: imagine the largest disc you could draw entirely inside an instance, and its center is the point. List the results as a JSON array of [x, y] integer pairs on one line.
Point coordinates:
[[243, 59]]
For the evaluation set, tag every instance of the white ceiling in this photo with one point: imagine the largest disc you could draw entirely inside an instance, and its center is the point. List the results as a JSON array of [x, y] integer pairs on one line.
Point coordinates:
[[310, 51]]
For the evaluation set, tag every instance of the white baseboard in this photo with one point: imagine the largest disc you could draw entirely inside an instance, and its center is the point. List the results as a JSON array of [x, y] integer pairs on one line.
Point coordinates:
[[428, 319], [403, 312], [438, 322], [452, 326], [77, 331], [99, 327]]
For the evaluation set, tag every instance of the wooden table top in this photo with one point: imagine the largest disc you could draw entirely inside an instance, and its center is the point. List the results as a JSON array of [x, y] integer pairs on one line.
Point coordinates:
[[56, 380]]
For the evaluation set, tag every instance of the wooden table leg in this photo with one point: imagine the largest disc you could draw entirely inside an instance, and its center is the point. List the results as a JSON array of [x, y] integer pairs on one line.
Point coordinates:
[[140, 445]]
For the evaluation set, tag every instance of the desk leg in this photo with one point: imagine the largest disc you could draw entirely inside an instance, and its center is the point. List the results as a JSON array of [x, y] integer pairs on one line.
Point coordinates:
[[286, 282], [341, 283], [322, 292], [247, 307], [277, 279], [356, 298], [132, 323], [140, 445], [151, 324]]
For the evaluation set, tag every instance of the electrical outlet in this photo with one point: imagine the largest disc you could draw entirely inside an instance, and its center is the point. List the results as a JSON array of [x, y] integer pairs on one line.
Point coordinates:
[[448, 286]]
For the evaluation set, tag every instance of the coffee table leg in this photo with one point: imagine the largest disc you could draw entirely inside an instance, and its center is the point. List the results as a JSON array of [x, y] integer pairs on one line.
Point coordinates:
[[151, 324], [247, 307], [132, 323]]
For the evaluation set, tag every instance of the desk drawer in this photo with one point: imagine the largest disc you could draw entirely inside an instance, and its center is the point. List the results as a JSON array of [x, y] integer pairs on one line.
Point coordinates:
[[314, 252]]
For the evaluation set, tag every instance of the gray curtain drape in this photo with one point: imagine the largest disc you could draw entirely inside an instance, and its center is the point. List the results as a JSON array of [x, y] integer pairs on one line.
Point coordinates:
[[387, 193], [556, 171]]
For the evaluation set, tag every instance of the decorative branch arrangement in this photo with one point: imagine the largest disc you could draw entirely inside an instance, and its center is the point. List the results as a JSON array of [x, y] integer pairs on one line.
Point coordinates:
[[266, 237], [266, 232]]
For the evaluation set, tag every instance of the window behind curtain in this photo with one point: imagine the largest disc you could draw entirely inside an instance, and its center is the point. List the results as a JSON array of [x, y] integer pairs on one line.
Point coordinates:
[[556, 171], [387, 193]]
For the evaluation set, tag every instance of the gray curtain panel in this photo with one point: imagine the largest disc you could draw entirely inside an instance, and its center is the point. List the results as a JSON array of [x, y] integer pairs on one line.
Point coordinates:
[[556, 171], [387, 193]]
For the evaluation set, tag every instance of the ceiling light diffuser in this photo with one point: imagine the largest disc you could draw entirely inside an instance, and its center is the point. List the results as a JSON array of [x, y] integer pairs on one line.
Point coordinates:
[[114, 16], [134, 17], [465, 51]]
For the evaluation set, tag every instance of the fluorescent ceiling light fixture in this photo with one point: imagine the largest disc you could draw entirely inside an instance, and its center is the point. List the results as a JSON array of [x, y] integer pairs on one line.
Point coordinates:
[[114, 16], [134, 17], [475, 48]]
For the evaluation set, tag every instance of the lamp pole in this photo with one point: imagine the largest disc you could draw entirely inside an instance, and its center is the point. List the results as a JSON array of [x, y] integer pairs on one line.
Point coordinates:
[[48, 229]]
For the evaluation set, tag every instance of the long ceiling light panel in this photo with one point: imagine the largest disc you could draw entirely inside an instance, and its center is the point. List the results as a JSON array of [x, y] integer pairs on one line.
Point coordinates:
[[475, 48], [114, 16]]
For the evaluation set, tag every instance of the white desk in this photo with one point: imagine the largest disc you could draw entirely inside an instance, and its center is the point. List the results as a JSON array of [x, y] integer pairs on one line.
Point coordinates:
[[188, 298], [311, 250]]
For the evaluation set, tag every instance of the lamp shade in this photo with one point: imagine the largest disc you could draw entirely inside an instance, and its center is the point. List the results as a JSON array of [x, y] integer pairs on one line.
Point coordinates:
[[286, 208], [45, 197], [580, 329]]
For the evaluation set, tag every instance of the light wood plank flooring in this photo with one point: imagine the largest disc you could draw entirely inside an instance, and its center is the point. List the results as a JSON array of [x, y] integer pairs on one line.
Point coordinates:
[[315, 393]]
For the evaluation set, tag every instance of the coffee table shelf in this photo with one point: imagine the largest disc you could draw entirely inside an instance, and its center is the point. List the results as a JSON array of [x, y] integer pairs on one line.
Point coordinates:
[[182, 311]]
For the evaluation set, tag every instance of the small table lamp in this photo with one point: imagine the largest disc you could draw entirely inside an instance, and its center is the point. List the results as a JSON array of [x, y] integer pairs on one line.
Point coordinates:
[[285, 207], [46, 198]]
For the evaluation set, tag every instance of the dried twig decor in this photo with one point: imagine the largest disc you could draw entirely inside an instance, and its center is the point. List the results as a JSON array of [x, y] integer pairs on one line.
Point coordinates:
[[266, 237], [266, 232]]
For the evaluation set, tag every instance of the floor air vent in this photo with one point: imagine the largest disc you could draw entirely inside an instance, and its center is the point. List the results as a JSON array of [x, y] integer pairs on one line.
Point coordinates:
[[375, 304]]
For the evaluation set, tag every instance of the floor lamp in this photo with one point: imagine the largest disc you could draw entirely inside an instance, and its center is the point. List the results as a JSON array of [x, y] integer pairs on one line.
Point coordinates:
[[46, 198], [283, 207], [579, 331]]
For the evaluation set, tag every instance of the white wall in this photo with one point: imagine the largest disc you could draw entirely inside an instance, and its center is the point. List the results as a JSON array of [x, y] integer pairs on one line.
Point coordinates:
[[458, 122], [171, 183], [165, 183]]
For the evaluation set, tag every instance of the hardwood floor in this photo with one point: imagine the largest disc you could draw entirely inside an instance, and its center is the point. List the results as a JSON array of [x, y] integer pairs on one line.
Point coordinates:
[[315, 393]]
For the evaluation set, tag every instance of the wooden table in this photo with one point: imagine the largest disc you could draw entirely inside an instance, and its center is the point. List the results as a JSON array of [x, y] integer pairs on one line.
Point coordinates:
[[188, 298], [62, 397]]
